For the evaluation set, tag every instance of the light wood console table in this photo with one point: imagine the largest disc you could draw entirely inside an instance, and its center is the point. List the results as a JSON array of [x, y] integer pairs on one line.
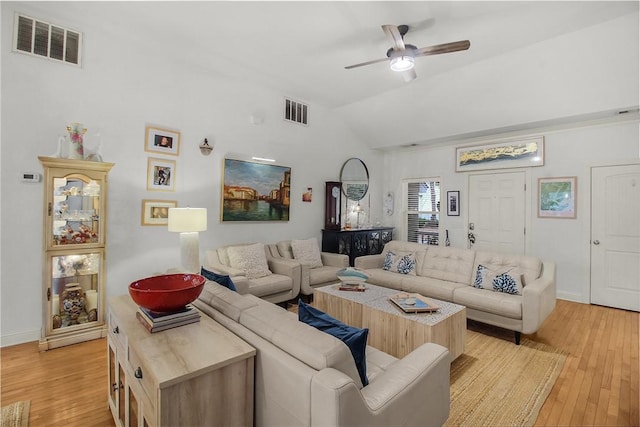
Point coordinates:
[[194, 375], [391, 330]]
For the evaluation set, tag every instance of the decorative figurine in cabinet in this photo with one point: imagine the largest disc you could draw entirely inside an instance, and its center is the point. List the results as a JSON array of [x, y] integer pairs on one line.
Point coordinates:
[[75, 208]]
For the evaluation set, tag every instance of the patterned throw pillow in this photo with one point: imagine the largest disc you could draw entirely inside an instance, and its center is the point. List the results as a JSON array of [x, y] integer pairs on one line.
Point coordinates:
[[251, 259], [508, 281], [307, 251], [403, 264]]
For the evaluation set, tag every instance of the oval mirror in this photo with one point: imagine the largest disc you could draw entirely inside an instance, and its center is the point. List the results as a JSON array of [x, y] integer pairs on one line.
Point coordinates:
[[354, 176]]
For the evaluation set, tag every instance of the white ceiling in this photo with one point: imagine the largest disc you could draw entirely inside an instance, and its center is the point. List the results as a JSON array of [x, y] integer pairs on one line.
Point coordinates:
[[300, 48]]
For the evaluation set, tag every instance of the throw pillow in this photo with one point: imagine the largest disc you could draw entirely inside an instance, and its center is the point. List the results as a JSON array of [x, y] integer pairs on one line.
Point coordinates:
[[354, 338], [508, 281], [403, 264], [308, 251], [251, 259], [219, 279]]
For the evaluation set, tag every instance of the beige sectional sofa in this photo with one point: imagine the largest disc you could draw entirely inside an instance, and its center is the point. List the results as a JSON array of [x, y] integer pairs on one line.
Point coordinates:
[[448, 274], [305, 377]]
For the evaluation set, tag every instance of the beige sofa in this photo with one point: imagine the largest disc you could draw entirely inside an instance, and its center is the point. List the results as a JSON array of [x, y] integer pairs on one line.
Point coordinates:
[[312, 276], [448, 274], [281, 283], [305, 377]]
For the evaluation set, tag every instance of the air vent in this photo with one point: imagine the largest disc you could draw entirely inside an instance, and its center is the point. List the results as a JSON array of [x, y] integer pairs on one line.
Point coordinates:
[[295, 111], [45, 40]]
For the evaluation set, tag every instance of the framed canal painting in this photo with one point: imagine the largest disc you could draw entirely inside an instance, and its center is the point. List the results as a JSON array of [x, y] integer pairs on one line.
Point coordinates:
[[255, 191]]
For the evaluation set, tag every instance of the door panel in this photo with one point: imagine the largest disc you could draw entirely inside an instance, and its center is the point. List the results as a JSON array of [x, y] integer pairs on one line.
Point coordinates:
[[497, 211], [615, 236]]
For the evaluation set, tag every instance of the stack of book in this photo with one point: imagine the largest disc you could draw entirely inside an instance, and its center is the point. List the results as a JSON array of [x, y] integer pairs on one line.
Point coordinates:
[[156, 322]]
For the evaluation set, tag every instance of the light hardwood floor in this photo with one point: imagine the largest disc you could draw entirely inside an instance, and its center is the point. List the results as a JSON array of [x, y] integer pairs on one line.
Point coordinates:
[[598, 384]]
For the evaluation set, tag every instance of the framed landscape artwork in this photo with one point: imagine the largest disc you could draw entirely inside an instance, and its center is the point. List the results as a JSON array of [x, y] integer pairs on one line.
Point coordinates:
[[162, 141], [557, 197], [161, 174], [156, 212], [255, 191], [502, 155]]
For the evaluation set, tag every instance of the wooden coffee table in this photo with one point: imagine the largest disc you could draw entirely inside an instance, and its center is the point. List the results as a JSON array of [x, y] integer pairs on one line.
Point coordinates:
[[390, 329]]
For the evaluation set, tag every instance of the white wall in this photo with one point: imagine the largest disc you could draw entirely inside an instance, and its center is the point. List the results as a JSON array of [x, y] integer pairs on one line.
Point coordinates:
[[122, 87], [567, 153]]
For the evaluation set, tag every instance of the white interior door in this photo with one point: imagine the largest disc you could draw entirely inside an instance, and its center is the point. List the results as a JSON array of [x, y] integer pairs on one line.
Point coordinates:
[[497, 212], [615, 236]]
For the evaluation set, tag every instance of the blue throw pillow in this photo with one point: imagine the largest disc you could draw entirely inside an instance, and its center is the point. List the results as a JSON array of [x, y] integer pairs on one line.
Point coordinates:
[[219, 278], [354, 338]]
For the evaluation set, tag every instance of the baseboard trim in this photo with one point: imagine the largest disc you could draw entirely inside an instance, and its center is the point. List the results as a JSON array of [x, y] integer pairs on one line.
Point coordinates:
[[19, 338], [569, 296]]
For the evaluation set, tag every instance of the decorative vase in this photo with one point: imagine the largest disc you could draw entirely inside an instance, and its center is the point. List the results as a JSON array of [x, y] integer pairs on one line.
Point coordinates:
[[72, 302], [76, 133]]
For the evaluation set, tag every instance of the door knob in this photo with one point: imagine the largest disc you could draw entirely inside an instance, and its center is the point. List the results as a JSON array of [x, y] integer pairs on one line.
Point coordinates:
[[596, 242]]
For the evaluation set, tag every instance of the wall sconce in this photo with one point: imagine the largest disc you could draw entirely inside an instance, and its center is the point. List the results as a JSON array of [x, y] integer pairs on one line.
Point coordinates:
[[188, 222], [205, 148]]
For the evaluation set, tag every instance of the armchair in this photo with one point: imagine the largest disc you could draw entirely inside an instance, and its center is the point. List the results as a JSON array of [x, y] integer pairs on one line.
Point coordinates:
[[313, 274], [255, 271]]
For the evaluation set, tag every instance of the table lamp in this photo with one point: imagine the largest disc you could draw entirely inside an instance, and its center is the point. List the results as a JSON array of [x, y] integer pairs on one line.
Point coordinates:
[[188, 222]]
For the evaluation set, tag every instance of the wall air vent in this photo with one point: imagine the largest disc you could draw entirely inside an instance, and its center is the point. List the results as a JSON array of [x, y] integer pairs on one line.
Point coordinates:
[[296, 112], [45, 40]]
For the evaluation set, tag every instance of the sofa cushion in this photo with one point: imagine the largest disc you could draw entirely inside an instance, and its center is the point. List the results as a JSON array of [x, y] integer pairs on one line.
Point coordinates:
[[507, 280], [221, 279], [430, 287], [269, 285], [402, 262], [227, 302], [251, 259], [323, 275], [307, 251], [498, 303], [307, 344], [447, 263], [529, 266], [380, 277], [284, 249], [354, 338]]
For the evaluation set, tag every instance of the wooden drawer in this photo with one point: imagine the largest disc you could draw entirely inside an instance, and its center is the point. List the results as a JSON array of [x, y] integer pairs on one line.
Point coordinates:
[[138, 369], [116, 333]]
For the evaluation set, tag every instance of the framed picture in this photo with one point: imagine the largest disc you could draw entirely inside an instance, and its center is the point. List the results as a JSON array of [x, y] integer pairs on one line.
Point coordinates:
[[156, 212], [307, 196], [161, 174], [162, 141], [255, 191], [453, 203], [511, 154], [557, 197]]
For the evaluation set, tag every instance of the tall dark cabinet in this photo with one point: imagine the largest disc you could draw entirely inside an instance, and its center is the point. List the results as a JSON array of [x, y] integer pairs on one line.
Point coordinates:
[[356, 243]]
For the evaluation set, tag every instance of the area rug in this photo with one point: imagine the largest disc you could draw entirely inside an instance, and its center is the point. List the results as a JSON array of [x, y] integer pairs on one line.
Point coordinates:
[[497, 383], [16, 414]]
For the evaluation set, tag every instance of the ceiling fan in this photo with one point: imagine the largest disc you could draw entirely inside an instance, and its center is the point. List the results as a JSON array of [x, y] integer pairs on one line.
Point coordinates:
[[402, 55]]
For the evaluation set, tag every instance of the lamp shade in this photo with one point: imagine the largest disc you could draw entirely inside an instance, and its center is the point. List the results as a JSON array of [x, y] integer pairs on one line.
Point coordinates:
[[187, 220], [402, 63]]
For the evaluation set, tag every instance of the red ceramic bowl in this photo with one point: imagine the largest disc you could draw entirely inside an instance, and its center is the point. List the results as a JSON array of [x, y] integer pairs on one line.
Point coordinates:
[[169, 292]]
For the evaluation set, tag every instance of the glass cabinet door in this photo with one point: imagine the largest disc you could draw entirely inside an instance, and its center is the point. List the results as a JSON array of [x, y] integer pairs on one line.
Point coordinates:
[[75, 210], [75, 289]]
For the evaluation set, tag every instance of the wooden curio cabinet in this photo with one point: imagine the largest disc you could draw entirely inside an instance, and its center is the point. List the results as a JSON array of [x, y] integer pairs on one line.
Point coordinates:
[[74, 243]]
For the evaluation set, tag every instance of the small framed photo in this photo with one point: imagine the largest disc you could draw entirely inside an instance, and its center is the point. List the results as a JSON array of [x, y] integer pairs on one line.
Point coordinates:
[[156, 212], [453, 203], [557, 197], [161, 174], [162, 141]]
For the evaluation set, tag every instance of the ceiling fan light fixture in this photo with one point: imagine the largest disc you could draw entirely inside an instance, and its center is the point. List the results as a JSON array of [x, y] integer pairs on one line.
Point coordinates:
[[402, 63]]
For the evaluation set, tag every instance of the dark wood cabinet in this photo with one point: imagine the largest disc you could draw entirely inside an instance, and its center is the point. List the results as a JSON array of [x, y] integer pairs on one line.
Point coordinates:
[[356, 243]]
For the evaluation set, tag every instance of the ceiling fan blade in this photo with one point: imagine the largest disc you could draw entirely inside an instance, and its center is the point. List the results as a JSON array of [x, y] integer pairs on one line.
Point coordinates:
[[396, 38], [375, 61], [409, 75], [444, 48]]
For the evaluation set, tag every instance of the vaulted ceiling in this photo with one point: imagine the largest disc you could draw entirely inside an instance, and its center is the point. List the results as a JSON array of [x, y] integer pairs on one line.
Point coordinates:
[[301, 47]]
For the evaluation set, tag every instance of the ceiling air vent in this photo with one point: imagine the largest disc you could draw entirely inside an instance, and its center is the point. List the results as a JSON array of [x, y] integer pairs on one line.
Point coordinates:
[[295, 111], [45, 40]]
